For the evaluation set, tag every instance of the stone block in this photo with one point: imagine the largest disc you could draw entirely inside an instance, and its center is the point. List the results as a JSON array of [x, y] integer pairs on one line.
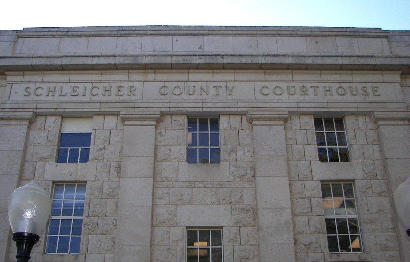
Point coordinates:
[[160, 235], [111, 189], [246, 253], [243, 215], [134, 226], [209, 196], [110, 122], [270, 166], [231, 236], [178, 234], [128, 253], [204, 215], [269, 141], [161, 196], [98, 122], [136, 192], [70, 171], [180, 196], [301, 206], [249, 236], [98, 207], [13, 137], [203, 172], [166, 215], [139, 141], [336, 170], [100, 244], [272, 192], [166, 171], [163, 253], [102, 137], [142, 167], [107, 225], [171, 153]]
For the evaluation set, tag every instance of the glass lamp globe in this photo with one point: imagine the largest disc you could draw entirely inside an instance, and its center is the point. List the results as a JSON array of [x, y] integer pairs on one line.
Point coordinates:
[[401, 198], [29, 209]]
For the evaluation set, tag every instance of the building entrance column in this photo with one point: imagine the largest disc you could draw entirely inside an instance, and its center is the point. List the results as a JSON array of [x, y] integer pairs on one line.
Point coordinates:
[[276, 239], [136, 185]]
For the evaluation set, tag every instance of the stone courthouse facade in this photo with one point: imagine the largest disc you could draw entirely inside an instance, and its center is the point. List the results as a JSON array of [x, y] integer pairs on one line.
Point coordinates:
[[182, 144]]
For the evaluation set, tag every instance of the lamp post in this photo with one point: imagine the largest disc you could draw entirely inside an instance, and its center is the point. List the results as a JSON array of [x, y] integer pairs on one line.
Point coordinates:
[[29, 210], [401, 198]]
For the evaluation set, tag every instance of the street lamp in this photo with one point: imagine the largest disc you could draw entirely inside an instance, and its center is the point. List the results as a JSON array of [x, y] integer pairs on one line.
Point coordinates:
[[401, 198], [29, 210]]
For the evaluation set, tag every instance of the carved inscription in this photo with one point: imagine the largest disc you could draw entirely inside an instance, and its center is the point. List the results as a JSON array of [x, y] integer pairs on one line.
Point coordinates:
[[80, 90], [315, 90], [196, 90]]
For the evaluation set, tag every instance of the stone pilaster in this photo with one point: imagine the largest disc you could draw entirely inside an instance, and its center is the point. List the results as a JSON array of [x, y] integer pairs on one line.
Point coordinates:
[[394, 134], [13, 136], [274, 212], [136, 185]]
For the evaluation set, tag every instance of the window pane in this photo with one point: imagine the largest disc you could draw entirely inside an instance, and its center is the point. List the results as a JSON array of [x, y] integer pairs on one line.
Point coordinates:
[[203, 124], [344, 155], [56, 207], [341, 139], [348, 190], [339, 124], [216, 254], [356, 245], [330, 226], [214, 139], [192, 237], [204, 238], [63, 243], [318, 124], [339, 206], [192, 124], [322, 154], [215, 155], [326, 192], [203, 155], [58, 191], [203, 139], [214, 126], [65, 227], [329, 124], [216, 238], [75, 245], [75, 139], [73, 155], [78, 208], [333, 155], [331, 139], [328, 206], [344, 243], [77, 227], [84, 155], [332, 243], [80, 192], [52, 244], [350, 206], [62, 155], [68, 207], [353, 226], [204, 255], [69, 191], [191, 155], [192, 255], [320, 139], [342, 226], [53, 227], [337, 190], [192, 139]]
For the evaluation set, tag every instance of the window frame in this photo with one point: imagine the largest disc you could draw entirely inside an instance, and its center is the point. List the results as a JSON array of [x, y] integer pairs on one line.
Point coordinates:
[[209, 146], [65, 217], [210, 247], [345, 216], [80, 148], [335, 132]]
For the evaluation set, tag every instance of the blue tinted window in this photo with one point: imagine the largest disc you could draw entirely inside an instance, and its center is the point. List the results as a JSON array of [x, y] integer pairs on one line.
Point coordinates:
[[65, 228], [74, 148], [203, 140], [75, 140], [84, 155]]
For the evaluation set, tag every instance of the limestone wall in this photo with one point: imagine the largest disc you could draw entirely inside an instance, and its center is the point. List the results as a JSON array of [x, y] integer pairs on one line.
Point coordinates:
[[101, 175], [365, 168], [195, 195]]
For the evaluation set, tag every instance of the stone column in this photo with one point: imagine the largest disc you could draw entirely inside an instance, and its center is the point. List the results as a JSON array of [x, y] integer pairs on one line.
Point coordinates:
[[13, 133], [394, 135], [276, 239], [136, 185]]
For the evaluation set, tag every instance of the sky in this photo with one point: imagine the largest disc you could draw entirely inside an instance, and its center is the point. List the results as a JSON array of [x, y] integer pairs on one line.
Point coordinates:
[[385, 14]]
